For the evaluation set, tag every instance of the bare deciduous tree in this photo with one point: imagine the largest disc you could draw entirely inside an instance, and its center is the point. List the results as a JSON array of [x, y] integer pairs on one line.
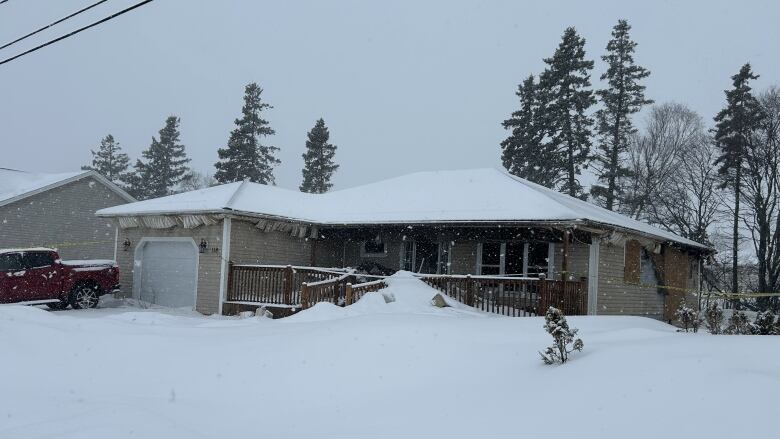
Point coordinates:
[[656, 159]]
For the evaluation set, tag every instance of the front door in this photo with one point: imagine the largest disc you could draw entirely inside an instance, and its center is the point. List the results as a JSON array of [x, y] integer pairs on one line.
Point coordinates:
[[13, 280]]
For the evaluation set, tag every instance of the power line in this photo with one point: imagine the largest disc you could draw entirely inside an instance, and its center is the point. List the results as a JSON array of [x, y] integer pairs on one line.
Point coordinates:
[[52, 24], [68, 35]]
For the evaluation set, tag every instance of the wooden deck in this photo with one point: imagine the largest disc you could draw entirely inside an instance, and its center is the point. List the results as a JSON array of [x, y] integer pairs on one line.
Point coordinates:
[[291, 288]]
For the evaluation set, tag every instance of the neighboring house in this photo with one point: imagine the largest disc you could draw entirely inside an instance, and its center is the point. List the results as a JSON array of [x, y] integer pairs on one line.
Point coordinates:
[[58, 211], [177, 249]]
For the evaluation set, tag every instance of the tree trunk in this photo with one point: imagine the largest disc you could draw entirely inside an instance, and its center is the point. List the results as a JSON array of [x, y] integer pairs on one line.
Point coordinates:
[[613, 165], [735, 240]]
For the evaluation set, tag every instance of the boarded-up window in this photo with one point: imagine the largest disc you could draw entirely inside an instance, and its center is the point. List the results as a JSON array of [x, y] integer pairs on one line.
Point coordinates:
[[632, 271]]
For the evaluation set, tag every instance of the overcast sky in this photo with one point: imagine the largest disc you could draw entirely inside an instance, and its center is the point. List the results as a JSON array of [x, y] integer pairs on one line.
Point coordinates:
[[403, 86]]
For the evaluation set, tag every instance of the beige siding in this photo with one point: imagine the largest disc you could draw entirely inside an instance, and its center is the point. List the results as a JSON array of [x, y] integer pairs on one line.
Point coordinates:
[[250, 245], [209, 263], [615, 297], [63, 218], [579, 254]]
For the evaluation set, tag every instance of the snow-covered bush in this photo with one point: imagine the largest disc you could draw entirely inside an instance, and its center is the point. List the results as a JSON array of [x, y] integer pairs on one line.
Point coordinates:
[[713, 316], [689, 318], [556, 325], [738, 324], [765, 323]]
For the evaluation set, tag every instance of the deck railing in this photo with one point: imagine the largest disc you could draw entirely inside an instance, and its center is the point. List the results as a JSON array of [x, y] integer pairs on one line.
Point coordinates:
[[330, 290], [355, 292], [301, 287], [512, 296], [272, 284]]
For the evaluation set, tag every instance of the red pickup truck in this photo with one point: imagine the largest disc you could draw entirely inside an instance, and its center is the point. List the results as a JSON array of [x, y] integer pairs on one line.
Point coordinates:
[[38, 276]]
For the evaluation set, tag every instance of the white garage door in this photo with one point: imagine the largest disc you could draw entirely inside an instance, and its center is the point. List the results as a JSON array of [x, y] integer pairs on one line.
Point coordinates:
[[168, 273]]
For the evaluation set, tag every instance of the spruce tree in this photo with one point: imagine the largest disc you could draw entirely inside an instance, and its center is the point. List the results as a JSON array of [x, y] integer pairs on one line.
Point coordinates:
[[245, 157], [623, 97], [734, 125], [564, 92], [109, 160], [524, 153], [318, 162], [165, 165]]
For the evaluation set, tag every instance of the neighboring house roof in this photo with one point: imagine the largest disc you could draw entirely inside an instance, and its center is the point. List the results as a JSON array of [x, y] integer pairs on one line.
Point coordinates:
[[462, 196], [17, 185]]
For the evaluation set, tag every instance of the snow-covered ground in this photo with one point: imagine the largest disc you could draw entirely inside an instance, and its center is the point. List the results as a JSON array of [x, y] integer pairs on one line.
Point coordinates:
[[402, 369]]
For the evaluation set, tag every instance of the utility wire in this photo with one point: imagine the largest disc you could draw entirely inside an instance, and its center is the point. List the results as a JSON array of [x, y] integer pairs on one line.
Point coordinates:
[[52, 24], [110, 17]]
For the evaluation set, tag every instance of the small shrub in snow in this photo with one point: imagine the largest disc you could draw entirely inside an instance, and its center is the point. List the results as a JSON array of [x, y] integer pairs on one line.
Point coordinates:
[[738, 324], [765, 323], [689, 318], [714, 318], [556, 325]]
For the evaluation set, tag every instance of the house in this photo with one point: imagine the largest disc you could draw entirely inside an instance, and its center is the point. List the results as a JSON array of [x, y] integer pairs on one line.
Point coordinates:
[[177, 250], [58, 211]]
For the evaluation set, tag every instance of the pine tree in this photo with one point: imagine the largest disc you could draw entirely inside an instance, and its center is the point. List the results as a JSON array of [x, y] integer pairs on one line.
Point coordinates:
[[245, 157], [318, 165], [733, 127], [623, 97], [566, 97], [165, 164], [109, 160], [524, 153]]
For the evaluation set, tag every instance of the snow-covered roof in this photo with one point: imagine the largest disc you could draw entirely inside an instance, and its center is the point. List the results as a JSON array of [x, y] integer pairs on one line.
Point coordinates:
[[460, 196], [16, 185]]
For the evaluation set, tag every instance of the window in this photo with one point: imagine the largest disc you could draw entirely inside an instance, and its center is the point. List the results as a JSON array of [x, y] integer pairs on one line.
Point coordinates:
[[11, 262], [512, 258], [538, 258], [38, 259], [372, 248], [490, 258]]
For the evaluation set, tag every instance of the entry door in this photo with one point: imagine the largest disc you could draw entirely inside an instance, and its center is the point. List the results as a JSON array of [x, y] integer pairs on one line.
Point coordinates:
[[169, 273]]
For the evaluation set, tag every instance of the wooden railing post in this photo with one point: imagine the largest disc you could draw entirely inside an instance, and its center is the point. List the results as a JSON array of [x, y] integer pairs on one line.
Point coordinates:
[[304, 295], [469, 290], [229, 292], [288, 284], [348, 294]]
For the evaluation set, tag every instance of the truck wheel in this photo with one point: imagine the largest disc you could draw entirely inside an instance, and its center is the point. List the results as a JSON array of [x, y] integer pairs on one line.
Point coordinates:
[[84, 296], [57, 306]]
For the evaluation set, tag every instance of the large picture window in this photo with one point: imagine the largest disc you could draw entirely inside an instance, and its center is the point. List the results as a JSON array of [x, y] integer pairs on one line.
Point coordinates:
[[513, 258]]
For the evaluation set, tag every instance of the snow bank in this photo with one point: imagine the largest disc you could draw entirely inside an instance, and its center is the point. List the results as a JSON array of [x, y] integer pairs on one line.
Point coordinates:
[[387, 370], [405, 294]]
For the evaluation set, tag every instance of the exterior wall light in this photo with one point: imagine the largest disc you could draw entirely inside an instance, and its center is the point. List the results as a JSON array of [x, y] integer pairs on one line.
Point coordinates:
[[203, 245], [126, 245]]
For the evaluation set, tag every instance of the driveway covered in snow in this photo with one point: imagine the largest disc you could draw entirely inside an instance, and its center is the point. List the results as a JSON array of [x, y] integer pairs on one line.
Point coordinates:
[[375, 369]]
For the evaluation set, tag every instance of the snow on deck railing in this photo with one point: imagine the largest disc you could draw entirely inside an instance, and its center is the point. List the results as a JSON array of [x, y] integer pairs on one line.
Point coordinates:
[[328, 281]]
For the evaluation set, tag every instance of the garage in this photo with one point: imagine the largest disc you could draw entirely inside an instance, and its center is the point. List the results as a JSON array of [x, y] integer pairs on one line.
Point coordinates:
[[168, 273]]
